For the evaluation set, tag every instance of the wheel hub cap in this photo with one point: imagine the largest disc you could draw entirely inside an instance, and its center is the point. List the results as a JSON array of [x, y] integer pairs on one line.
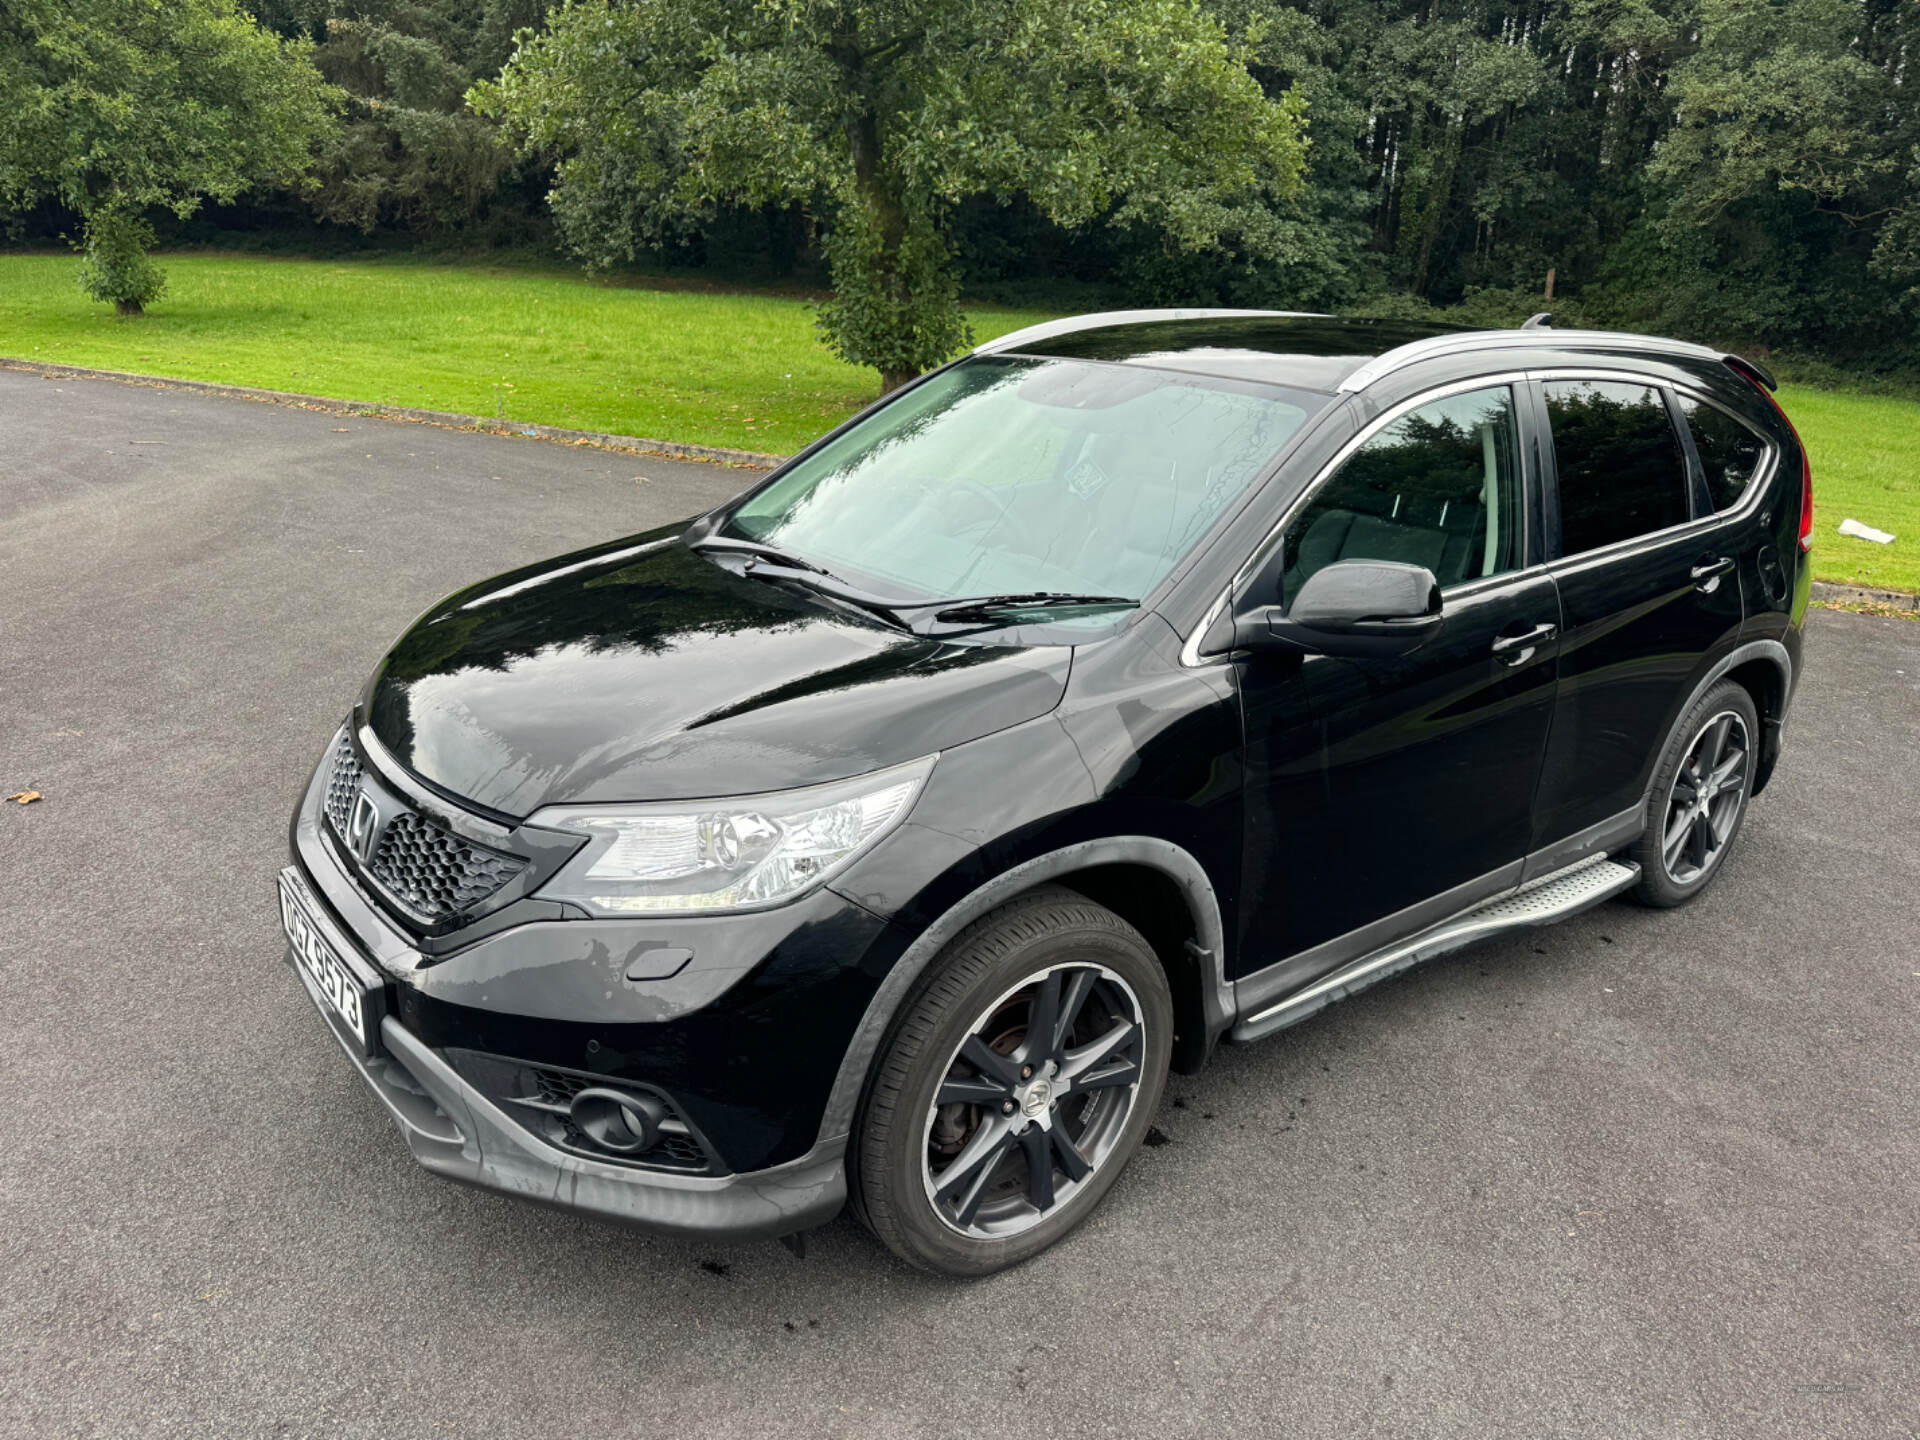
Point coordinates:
[[1037, 1099], [1037, 1096]]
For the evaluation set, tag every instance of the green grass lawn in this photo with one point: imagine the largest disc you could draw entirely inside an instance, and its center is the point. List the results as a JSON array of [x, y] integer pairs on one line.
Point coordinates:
[[541, 344], [517, 342], [1866, 463]]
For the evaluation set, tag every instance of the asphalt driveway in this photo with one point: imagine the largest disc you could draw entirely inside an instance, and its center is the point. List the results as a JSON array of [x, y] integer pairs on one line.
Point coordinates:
[[1636, 1175]]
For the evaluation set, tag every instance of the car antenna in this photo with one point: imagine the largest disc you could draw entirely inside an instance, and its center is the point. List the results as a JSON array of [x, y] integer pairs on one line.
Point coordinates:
[[1542, 321]]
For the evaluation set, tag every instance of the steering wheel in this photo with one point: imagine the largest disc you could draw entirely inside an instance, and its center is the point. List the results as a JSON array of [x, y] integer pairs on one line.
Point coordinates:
[[1023, 536]]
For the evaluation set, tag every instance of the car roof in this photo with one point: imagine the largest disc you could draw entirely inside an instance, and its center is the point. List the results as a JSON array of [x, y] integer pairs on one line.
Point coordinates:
[[1302, 351]]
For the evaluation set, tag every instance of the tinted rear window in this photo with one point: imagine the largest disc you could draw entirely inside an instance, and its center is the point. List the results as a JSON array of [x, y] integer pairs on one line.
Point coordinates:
[[1622, 472], [1730, 453]]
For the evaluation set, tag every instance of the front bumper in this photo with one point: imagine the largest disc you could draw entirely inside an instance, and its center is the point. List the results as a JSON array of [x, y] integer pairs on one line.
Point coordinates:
[[458, 1133], [745, 1040]]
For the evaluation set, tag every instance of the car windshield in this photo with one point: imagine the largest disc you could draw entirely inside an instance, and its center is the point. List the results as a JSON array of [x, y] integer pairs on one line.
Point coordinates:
[[1023, 477]]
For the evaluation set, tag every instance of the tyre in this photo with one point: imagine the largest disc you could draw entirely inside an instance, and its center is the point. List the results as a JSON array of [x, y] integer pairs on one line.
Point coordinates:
[[1698, 798], [1020, 1081]]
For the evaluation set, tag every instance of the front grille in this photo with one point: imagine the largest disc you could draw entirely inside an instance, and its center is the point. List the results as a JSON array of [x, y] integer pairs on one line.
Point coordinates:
[[435, 873], [343, 783], [540, 1097], [423, 867]]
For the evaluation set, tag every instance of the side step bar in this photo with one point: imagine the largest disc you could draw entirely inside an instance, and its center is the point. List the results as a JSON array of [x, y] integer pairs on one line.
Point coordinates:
[[1541, 902]]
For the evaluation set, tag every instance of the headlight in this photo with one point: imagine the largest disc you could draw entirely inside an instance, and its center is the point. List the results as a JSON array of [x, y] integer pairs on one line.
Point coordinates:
[[739, 854]]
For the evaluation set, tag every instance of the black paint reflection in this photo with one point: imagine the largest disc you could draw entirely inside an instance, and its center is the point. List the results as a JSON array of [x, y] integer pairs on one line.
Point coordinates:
[[644, 670]]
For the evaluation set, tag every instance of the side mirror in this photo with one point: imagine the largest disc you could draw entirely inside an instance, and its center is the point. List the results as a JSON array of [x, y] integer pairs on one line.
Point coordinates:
[[1353, 608]]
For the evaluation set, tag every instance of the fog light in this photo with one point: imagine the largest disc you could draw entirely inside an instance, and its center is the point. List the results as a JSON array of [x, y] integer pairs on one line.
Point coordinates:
[[618, 1120]]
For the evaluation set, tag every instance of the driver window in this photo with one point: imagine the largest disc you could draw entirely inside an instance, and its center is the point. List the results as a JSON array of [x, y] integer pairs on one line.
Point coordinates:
[[1439, 487]]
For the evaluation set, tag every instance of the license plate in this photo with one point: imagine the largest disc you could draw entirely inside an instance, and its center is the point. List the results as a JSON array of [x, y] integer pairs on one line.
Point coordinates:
[[344, 993]]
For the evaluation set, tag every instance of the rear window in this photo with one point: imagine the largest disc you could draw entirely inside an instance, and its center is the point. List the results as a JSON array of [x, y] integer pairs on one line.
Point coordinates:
[[1730, 453], [1622, 472]]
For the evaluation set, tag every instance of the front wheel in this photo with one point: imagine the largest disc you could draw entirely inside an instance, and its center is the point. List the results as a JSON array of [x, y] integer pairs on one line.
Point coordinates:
[[1020, 1083], [1699, 796]]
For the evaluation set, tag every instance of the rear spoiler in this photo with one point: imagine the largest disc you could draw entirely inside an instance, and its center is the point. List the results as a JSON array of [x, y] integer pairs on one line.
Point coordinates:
[[1759, 374]]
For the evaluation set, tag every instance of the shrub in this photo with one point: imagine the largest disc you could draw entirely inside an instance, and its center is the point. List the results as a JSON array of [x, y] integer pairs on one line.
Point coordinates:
[[117, 267]]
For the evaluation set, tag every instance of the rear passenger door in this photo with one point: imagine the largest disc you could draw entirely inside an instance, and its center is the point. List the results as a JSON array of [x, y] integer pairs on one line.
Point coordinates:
[[1648, 596]]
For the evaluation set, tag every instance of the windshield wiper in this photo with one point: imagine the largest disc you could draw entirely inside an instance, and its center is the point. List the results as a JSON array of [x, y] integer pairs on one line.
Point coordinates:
[[770, 563], [754, 549], [985, 607], [762, 564]]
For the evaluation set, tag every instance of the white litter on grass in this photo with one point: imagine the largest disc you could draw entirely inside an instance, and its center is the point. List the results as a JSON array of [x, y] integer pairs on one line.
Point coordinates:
[[1854, 528]]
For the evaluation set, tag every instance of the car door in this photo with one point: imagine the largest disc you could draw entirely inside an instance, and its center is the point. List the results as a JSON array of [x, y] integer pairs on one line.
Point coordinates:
[[1648, 595], [1386, 792]]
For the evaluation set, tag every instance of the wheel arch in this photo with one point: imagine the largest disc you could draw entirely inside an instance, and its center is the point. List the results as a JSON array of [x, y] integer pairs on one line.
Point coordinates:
[[1766, 679], [1156, 886], [1763, 668]]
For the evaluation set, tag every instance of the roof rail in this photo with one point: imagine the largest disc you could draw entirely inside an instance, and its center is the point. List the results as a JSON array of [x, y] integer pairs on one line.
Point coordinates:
[[1435, 345], [1049, 329]]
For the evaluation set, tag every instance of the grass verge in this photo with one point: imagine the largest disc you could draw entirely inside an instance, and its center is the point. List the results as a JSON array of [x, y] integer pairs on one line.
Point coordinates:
[[514, 342], [672, 362], [1866, 464]]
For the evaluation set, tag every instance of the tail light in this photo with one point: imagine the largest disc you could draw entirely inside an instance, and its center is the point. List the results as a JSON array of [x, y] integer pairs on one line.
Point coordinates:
[[1806, 499], [1763, 382]]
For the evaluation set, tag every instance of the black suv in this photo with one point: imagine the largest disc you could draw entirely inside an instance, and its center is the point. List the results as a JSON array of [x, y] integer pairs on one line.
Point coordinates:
[[1136, 682]]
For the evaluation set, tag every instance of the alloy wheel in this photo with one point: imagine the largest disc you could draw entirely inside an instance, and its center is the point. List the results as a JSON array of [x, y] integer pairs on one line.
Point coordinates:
[[1033, 1101], [1704, 802]]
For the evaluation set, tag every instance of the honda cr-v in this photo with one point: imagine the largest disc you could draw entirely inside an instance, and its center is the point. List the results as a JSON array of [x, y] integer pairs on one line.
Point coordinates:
[[1135, 683]]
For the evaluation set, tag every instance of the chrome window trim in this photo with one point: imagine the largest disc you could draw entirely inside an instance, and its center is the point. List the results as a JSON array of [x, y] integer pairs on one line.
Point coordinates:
[[1381, 366], [1190, 654], [1469, 588], [1608, 551]]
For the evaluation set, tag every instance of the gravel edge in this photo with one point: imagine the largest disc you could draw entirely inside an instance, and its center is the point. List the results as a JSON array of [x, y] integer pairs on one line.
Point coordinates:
[[635, 444], [1831, 594]]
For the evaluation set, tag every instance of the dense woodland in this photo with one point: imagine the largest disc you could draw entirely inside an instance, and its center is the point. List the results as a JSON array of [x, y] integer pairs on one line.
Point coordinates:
[[1741, 169]]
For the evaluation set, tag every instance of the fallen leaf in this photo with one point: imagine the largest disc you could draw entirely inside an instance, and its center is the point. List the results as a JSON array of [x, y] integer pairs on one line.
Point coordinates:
[[343, 429], [25, 797]]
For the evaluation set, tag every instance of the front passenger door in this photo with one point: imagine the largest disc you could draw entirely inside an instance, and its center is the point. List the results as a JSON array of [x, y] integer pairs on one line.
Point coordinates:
[[1405, 789]]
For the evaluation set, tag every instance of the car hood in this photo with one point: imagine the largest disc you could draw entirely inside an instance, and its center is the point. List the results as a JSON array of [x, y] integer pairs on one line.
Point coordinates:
[[643, 670]]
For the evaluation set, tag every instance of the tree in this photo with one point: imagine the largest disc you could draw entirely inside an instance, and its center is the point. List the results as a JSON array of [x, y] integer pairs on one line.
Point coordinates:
[[1788, 177], [879, 117], [115, 107], [409, 152]]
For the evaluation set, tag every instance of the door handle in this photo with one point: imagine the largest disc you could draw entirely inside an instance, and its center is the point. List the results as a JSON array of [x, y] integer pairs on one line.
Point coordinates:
[[1525, 643], [1706, 575]]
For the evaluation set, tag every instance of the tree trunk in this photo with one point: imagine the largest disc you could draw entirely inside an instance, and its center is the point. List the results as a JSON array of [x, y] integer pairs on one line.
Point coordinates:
[[129, 307], [863, 134], [1437, 203], [889, 218]]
